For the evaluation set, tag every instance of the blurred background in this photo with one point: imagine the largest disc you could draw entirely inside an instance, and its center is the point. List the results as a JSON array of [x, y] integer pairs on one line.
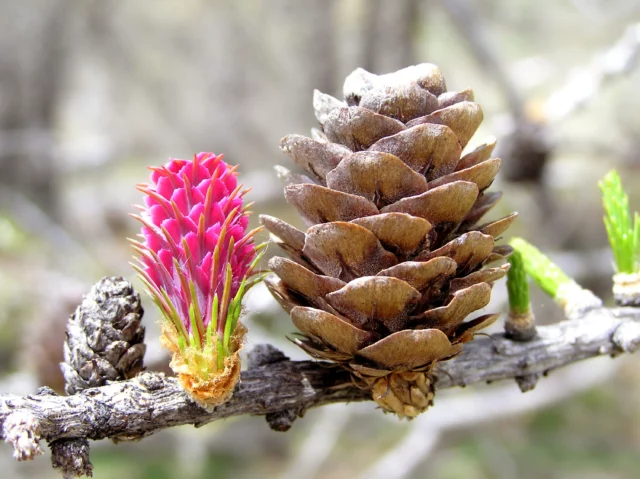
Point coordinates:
[[93, 91]]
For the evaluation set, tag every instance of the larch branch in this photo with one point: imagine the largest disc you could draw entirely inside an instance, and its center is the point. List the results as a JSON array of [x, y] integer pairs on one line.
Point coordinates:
[[282, 389]]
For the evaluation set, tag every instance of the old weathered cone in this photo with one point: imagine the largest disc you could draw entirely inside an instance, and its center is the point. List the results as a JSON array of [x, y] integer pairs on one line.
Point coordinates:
[[104, 337], [393, 260]]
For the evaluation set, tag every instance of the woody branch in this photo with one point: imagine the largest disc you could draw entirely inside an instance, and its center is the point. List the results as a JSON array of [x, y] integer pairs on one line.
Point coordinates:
[[282, 389]]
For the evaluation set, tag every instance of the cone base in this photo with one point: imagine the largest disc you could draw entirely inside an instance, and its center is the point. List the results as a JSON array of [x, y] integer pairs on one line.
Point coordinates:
[[405, 394], [210, 390]]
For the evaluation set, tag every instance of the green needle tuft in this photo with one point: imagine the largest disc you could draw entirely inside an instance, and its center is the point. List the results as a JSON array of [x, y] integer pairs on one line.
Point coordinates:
[[624, 237], [517, 285], [544, 272]]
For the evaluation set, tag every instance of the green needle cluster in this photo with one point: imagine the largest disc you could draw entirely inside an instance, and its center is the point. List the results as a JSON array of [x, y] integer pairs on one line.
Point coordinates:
[[543, 271], [624, 236], [517, 285]]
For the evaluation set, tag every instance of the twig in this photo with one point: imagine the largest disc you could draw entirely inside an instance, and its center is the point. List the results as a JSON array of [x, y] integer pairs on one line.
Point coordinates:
[[278, 387]]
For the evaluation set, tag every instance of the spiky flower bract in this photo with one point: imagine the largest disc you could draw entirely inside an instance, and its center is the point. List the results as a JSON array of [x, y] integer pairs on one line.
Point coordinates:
[[197, 260]]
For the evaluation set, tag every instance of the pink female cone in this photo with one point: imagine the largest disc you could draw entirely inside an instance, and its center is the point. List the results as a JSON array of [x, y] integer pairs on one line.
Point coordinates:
[[197, 260]]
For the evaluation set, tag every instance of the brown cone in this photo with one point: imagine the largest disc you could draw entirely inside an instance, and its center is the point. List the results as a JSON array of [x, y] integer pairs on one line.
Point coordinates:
[[392, 262], [105, 337]]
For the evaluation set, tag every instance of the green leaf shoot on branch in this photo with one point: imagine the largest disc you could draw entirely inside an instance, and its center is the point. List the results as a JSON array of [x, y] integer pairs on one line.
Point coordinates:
[[544, 272], [552, 280], [517, 284], [520, 322], [624, 236]]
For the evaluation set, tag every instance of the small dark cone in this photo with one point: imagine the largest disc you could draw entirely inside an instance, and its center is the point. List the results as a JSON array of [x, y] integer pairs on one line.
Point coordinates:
[[104, 337], [393, 260]]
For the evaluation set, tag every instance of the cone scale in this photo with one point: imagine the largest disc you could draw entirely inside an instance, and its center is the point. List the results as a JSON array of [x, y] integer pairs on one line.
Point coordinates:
[[392, 262], [197, 260]]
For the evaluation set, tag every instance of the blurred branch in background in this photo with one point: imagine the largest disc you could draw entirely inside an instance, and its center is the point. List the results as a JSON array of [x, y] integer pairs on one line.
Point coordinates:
[[470, 25], [31, 80], [585, 83]]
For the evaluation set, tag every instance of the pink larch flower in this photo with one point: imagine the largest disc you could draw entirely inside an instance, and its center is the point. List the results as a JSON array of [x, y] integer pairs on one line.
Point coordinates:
[[197, 260]]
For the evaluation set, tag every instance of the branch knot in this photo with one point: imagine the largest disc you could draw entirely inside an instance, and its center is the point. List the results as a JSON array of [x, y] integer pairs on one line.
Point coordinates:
[[627, 336]]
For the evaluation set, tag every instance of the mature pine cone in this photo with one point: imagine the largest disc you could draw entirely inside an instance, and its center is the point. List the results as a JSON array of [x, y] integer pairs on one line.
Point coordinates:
[[392, 261], [104, 337]]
